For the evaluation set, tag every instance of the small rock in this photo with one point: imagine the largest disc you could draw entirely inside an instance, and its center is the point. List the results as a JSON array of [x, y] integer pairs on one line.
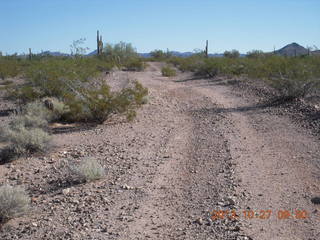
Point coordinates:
[[66, 191], [126, 187], [315, 200], [199, 221]]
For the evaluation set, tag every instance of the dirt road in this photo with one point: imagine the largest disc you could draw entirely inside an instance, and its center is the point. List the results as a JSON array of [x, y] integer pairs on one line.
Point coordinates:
[[197, 147]]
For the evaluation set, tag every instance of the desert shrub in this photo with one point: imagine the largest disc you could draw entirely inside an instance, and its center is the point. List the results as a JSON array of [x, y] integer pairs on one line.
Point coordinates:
[[88, 170], [255, 54], [23, 93], [168, 71], [58, 110], [25, 140], [28, 121], [25, 133], [68, 83], [159, 55], [96, 105], [14, 202], [120, 52], [231, 54], [208, 68], [36, 115], [9, 67], [51, 77], [38, 109], [292, 77], [145, 99], [123, 55], [134, 64]]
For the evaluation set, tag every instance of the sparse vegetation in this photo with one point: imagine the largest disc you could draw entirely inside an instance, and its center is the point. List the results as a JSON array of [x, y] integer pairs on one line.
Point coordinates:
[[67, 83], [24, 140], [9, 66], [168, 71], [98, 104], [26, 133], [123, 55], [14, 202], [293, 77], [88, 170], [232, 54]]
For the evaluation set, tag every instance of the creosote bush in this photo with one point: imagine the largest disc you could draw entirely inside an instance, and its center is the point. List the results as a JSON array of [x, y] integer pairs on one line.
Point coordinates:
[[88, 170], [98, 104], [124, 56], [167, 71], [292, 77], [14, 202], [67, 84]]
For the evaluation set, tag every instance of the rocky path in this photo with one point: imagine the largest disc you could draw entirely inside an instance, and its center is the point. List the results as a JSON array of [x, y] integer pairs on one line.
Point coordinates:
[[195, 148]]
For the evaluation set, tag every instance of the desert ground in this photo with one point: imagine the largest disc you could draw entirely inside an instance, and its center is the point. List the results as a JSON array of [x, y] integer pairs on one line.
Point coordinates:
[[198, 146]]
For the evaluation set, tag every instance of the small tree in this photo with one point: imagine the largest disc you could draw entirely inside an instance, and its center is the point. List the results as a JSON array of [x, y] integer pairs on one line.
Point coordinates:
[[255, 54], [76, 48], [158, 54], [122, 50], [231, 54]]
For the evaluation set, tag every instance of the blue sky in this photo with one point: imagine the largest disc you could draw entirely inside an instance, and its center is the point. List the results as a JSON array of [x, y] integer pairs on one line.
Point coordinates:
[[181, 25]]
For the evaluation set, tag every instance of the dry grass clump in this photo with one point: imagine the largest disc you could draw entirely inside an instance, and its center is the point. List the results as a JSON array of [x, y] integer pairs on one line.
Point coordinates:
[[168, 72], [57, 108], [14, 202], [24, 140], [26, 133], [88, 170]]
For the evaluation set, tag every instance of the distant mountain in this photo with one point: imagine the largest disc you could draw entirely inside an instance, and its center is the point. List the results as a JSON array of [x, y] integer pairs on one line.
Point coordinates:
[[55, 54], [316, 52], [92, 53], [291, 50]]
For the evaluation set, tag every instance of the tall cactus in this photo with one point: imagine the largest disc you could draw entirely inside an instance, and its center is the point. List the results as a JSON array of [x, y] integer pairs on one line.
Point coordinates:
[[206, 50], [101, 45], [30, 54], [98, 43]]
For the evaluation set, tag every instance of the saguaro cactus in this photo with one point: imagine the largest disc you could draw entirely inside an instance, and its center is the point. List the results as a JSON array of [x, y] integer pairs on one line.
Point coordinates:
[[98, 43], [206, 49], [101, 45], [30, 54]]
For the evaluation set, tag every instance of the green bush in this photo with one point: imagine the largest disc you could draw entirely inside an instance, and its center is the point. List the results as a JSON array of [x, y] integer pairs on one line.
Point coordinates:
[[68, 85], [293, 77], [98, 104], [52, 77], [168, 72], [255, 54], [159, 55], [231, 54], [123, 55], [9, 67], [134, 64], [14, 202]]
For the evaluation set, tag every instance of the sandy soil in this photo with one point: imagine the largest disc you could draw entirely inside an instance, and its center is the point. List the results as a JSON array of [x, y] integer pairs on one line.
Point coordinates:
[[198, 146]]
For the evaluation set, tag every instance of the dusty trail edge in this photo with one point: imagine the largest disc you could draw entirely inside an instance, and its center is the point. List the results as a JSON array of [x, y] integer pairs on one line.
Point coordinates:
[[274, 167]]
